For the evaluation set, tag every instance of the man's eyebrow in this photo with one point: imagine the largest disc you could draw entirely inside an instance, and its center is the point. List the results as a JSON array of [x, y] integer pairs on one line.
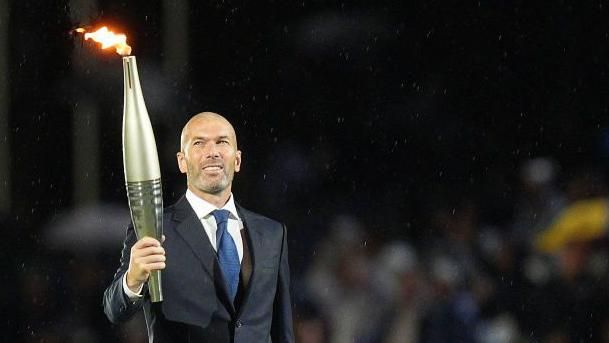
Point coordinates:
[[210, 138]]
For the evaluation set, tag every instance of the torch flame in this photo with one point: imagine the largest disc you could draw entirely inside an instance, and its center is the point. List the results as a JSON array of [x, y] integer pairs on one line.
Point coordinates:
[[108, 39]]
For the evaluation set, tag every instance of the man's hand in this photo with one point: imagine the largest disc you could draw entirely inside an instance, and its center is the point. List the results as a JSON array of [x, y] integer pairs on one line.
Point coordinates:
[[147, 255]]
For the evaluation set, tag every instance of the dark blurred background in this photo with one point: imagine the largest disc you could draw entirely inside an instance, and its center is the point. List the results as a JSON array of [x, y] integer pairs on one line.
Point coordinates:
[[441, 166]]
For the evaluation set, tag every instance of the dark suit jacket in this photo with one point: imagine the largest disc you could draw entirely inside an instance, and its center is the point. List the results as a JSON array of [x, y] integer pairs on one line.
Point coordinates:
[[196, 307]]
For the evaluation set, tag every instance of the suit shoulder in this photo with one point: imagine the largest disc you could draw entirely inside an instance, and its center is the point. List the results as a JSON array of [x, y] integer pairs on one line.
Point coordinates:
[[179, 209], [250, 215], [168, 212], [169, 209]]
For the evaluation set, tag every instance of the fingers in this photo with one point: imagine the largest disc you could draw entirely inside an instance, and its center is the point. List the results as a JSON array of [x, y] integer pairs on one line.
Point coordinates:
[[147, 246], [147, 242], [156, 266], [142, 271], [154, 250], [147, 255], [145, 261]]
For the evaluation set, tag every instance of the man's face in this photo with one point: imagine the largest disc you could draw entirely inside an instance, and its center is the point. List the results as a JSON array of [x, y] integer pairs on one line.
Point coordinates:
[[209, 155]]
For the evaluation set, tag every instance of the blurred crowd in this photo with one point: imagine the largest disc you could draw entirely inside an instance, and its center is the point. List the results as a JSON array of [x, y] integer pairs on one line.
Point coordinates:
[[540, 276]]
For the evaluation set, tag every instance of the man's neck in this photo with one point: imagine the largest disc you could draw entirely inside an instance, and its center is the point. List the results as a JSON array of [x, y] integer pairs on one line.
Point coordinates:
[[218, 200]]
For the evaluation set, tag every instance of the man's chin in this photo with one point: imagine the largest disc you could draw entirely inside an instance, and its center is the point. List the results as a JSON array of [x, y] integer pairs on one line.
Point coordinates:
[[213, 188]]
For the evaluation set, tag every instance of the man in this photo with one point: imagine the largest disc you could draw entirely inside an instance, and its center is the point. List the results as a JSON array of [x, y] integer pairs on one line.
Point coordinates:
[[225, 269]]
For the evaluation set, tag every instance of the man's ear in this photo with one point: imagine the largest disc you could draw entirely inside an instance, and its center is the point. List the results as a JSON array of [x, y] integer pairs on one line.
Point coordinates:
[[238, 161], [182, 162]]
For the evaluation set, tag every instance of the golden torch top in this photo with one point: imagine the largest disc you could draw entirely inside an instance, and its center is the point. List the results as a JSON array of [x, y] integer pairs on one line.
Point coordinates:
[[140, 155]]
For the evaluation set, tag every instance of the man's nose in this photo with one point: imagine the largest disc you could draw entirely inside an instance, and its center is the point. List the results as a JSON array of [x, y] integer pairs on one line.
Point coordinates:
[[212, 150]]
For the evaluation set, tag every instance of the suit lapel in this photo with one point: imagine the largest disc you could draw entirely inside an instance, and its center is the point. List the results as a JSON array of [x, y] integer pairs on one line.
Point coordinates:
[[254, 236], [193, 233]]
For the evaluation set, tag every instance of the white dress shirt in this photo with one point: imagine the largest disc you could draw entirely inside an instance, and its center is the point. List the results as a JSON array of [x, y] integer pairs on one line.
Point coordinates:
[[203, 210]]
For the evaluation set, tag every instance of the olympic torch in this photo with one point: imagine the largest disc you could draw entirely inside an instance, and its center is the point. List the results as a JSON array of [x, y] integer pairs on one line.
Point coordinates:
[[142, 171], [140, 157]]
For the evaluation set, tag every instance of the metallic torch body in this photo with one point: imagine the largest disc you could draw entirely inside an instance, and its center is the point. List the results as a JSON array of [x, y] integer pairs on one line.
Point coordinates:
[[142, 171]]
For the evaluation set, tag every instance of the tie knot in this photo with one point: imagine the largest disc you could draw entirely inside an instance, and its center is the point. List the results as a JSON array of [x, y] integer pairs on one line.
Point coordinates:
[[221, 216]]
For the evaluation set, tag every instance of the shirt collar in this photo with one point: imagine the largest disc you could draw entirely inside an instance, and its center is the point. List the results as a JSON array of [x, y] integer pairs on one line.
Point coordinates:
[[203, 208]]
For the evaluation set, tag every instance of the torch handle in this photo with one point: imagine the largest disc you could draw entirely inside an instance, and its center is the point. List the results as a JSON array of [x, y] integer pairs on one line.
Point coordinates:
[[146, 204]]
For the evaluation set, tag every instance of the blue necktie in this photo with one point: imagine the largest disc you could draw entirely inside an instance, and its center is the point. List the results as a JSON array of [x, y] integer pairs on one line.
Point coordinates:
[[227, 253]]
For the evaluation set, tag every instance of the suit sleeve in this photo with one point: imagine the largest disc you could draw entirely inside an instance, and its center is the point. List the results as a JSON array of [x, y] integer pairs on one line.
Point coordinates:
[[282, 328], [117, 306]]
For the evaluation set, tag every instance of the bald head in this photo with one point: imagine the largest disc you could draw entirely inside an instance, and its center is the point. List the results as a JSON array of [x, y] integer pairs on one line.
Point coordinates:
[[205, 118], [209, 157]]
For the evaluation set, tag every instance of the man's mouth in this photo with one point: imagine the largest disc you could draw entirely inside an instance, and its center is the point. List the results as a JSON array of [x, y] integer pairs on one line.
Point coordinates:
[[214, 167]]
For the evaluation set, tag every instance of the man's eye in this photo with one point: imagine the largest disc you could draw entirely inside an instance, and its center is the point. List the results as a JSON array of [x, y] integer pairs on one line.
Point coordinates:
[[223, 142], [197, 143]]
